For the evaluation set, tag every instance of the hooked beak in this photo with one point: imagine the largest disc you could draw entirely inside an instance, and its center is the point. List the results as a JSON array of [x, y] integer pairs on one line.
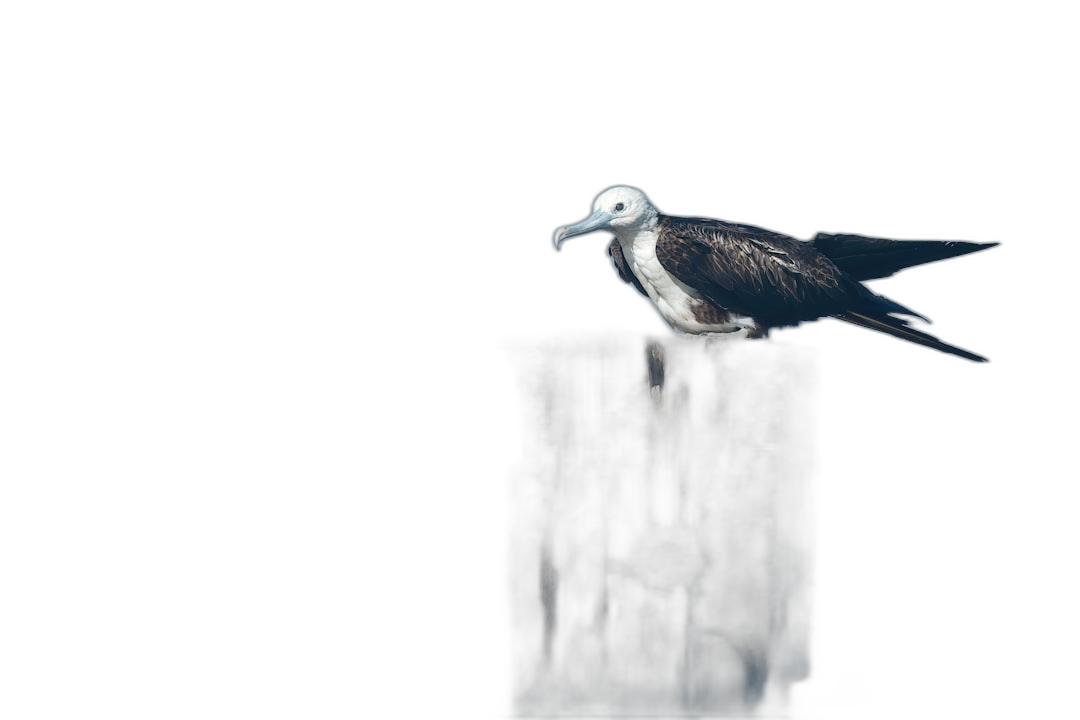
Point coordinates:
[[597, 221]]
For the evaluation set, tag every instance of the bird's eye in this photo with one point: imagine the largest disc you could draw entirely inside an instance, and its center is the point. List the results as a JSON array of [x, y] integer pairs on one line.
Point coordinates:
[[619, 207]]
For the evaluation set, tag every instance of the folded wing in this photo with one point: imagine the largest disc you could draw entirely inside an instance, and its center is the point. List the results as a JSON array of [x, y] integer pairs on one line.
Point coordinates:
[[867, 258]]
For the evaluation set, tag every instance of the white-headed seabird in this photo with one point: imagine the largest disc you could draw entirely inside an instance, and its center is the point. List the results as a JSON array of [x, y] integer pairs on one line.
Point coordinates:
[[710, 276]]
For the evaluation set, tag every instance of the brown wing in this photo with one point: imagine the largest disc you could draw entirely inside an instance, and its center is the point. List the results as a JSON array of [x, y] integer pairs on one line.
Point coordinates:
[[867, 258], [615, 251], [773, 278]]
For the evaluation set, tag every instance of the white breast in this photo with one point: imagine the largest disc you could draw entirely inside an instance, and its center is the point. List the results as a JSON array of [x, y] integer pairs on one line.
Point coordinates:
[[675, 300]]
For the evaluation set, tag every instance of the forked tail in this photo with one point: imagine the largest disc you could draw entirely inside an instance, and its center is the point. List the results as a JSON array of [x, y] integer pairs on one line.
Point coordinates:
[[899, 328]]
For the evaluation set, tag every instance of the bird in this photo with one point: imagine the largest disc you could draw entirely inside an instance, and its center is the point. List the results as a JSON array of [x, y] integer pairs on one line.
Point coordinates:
[[708, 276]]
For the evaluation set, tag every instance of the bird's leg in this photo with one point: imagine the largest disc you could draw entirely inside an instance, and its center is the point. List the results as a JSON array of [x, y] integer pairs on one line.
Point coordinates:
[[733, 335]]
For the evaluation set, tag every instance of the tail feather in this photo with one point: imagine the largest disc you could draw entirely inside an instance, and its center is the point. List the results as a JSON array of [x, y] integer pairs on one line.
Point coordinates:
[[867, 258], [900, 329]]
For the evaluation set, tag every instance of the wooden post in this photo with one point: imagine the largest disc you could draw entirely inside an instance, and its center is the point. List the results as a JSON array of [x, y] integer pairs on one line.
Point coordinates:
[[664, 510]]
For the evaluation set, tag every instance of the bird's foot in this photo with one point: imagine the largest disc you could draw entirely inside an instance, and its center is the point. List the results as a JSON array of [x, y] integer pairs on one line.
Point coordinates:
[[723, 335]]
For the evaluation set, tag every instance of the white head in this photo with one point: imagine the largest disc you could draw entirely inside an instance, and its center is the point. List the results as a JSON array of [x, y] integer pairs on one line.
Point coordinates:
[[620, 208]]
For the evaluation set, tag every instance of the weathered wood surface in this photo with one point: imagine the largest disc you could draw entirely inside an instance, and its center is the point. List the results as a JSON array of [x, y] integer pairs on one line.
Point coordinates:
[[661, 539]]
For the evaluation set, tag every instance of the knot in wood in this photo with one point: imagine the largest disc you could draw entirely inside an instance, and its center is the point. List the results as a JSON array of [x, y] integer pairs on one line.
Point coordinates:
[[670, 557]]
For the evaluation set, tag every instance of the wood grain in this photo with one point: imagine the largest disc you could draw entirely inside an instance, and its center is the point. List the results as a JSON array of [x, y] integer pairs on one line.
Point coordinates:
[[661, 552]]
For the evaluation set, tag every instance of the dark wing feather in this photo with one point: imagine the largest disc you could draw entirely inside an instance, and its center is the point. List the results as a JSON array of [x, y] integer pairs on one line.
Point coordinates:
[[898, 328], [615, 251], [773, 278], [867, 258]]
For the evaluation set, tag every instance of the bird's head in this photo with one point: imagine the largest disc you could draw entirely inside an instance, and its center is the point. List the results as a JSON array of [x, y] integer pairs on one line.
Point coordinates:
[[619, 209]]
